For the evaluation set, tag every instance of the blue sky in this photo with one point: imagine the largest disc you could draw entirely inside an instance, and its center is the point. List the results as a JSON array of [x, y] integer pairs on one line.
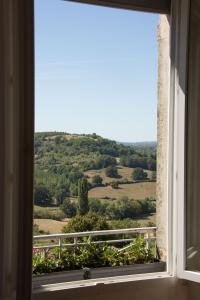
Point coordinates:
[[95, 70]]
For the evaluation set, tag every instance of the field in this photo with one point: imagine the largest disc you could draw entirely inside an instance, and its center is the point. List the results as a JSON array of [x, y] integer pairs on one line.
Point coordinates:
[[135, 191], [124, 172], [51, 226]]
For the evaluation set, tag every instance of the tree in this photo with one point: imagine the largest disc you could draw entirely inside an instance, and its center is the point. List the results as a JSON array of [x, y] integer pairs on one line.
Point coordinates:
[[139, 174], [97, 180], [112, 172], [88, 222], [42, 195], [83, 206], [97, 206], [69, 208]]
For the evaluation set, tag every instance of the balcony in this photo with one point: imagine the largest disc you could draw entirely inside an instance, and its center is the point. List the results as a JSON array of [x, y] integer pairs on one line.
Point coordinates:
[[96, 254]]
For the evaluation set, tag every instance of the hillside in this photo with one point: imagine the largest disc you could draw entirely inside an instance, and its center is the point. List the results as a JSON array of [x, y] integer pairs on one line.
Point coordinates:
[[61, 159]]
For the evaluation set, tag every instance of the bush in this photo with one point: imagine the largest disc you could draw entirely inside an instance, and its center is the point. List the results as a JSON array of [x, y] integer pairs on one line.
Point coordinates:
[[125, 223], [124, 208], [89, 222], [97, 206], [48, 213], [112, 172], [139, 174], [42, 195], [69, 208]]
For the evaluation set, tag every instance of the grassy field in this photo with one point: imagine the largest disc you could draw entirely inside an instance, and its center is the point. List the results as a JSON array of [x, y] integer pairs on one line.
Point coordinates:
[[135, 191], [124, 172], [51, 226]]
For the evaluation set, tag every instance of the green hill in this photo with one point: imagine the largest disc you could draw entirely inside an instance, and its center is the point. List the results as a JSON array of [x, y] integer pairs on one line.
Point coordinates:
[[61, 159]]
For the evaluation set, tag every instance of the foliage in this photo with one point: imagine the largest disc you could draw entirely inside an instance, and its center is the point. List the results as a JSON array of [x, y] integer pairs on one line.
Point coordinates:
[[125, 223], [97, 180], [112, 172], [42, 196], [89, 222], [139, 174], [69, 208], [129, 208], [83, 206], [48, 213], [61, 160], [97, 206], [91, 256]]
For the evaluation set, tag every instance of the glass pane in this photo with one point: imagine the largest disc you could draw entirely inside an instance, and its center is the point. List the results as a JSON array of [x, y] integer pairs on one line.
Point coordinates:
[[193, 144], [95, 140]]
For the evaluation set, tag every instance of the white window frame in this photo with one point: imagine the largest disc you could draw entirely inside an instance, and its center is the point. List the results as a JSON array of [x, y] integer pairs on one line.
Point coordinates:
[[17, 119], [180, 185]]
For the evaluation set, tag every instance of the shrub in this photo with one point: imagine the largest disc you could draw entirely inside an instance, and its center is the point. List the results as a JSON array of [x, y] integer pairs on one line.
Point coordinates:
[[89, 222], [139, 174], [125, 223], [48, 213], [42, 195], [69, 208], [97, 206], [112, 172]]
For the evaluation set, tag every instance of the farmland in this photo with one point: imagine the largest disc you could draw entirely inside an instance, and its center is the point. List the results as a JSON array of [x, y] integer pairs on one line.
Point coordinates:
[[135, 190], [62, 160]]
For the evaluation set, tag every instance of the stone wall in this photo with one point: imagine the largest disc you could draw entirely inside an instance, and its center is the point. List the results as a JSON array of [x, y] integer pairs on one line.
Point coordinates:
[[162, 134]]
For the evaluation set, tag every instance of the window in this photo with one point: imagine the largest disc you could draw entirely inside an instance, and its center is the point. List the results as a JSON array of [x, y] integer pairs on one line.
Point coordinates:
[[17, 131], [95, 142], [189, 237]]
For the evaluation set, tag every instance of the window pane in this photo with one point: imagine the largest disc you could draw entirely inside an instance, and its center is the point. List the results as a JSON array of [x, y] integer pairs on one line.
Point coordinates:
[[193, 144], [95, 140]]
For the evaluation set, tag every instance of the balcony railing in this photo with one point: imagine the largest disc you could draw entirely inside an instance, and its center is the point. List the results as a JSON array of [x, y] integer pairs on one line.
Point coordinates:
[[51, 241]]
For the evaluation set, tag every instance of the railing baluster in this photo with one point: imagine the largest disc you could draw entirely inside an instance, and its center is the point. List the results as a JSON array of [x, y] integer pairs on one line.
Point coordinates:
[[60, 247]]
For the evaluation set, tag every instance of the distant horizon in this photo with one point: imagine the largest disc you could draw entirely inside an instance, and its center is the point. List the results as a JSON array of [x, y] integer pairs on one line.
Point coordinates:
[[116, 140]]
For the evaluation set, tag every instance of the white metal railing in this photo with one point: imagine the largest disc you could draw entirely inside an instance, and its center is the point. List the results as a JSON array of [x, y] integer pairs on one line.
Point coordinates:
[[149, 234]]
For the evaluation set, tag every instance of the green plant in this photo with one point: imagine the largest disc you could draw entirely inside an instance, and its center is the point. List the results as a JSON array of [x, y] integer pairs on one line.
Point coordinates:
[[69, 208], [91, 256], [89, 222], [112, 172], [48, 213], [138, 253], [139, 174], [83, 206]]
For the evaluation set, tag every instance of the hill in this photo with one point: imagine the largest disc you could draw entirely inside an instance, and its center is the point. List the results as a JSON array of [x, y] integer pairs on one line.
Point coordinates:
[[61, 159]]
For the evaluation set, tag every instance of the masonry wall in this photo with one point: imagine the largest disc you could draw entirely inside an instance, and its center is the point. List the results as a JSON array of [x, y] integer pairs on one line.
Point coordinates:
[[162, 133]]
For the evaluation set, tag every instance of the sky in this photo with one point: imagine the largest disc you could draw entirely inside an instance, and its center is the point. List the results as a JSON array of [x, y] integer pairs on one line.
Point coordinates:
[[95, 71]]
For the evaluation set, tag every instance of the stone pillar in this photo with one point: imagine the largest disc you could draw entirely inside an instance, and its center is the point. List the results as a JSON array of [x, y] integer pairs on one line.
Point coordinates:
[[162, 134]]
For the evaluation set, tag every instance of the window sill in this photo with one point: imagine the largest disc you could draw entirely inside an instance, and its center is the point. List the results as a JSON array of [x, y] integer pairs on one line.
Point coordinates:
[[40, 285]]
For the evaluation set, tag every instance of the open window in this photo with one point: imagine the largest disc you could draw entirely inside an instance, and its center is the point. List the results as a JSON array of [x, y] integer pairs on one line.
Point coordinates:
[[17, 135], [95, 193], [188, 261]]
